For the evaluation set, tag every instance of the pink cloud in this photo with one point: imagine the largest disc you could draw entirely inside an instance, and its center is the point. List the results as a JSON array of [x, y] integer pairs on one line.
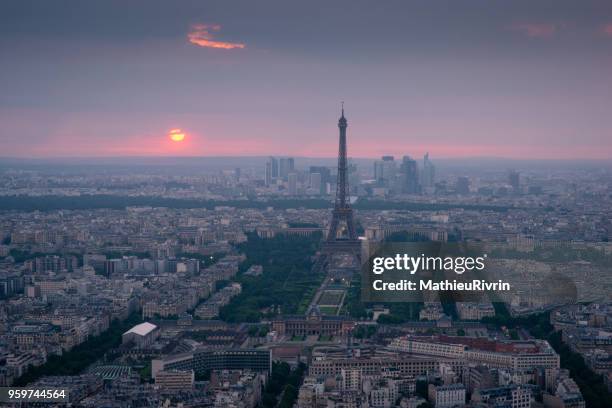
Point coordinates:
[[607, 30], [536, 30], [202, 36]]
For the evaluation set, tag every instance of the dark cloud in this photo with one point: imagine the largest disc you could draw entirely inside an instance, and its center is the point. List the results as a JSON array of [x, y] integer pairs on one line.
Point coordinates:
[[307, 26]]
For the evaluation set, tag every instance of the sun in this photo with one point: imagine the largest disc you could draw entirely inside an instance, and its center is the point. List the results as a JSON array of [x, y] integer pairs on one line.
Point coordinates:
[[176, 135]]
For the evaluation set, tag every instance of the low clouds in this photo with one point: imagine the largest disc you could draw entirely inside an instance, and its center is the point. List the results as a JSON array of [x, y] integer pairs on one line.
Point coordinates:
[[548, 30], [201, 35], [536, 30]]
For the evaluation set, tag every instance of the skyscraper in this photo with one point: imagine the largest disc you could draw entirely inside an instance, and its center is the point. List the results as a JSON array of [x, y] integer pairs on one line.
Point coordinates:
[[409, 176], [515, 180], [291, 164], [463, 185], [292, 181], [273, 167], [378, 171], [385, 170], [287, 165], [429, 172], [325, 173], [315, 182], [283, 168], [268, 178]]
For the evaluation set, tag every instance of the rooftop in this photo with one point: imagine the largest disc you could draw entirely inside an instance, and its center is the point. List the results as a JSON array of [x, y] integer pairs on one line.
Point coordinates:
[[142, 329]]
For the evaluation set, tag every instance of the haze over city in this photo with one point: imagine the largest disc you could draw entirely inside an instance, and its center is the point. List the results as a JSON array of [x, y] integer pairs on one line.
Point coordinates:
[[242, 78]]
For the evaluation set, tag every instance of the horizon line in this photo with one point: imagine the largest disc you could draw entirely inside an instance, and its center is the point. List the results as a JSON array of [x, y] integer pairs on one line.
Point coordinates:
[[85, 157]]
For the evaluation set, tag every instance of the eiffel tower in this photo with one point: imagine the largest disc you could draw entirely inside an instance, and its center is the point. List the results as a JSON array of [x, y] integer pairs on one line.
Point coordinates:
[[342, 240], [339, 240]]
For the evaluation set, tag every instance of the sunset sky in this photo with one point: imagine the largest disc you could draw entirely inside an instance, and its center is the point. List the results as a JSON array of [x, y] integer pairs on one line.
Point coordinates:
[[515, 79]]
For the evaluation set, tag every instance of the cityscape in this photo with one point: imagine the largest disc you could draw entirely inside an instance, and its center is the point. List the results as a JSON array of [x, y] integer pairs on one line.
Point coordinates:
[[307, 204], [239, 287]]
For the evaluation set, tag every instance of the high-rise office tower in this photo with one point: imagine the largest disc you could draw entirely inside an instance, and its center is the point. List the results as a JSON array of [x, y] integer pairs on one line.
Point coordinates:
[[315, 182], [325, 173], [353, 178], [290, 164], [287, 165], [268, 178], [389, 170], [463, 185], [282, 168], [378, 171], [292, 181], [429, 172], [515, 180], [385, 170], [409, 176], [273, 167]]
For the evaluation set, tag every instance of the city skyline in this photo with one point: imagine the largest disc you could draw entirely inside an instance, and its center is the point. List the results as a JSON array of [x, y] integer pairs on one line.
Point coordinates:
[[192, 216], [512, 81]]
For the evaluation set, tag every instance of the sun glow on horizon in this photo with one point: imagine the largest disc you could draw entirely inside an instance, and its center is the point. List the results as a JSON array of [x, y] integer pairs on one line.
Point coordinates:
[[176, 135]]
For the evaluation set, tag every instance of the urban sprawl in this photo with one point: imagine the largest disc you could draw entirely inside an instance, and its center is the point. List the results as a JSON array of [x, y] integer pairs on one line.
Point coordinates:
[[136, 286]]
